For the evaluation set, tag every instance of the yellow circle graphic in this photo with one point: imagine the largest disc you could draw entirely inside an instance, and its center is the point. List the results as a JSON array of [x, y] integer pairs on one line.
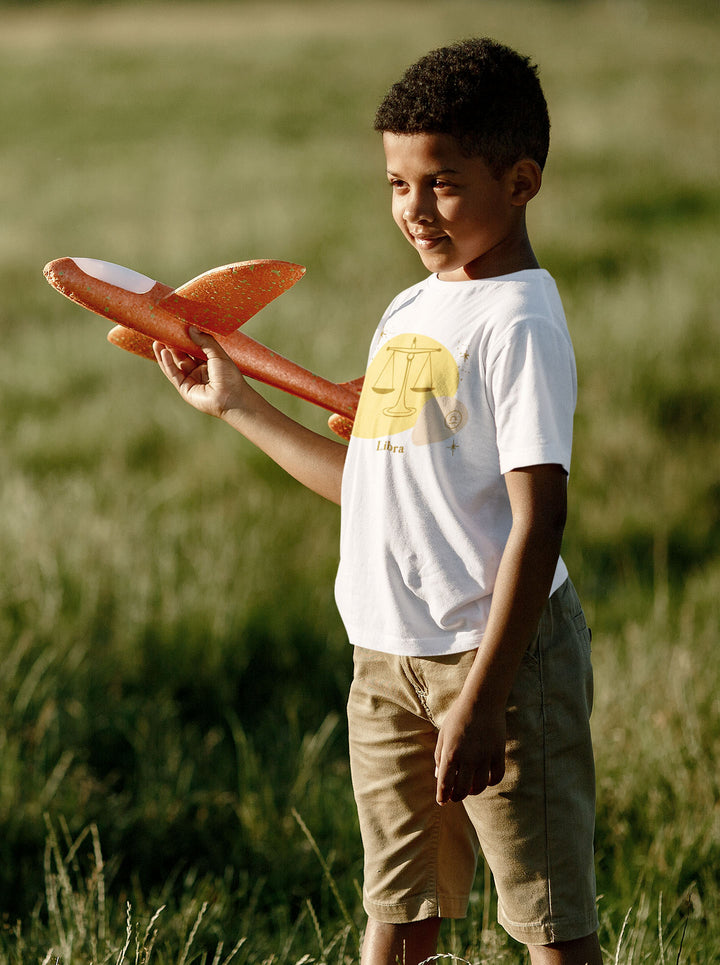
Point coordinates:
[[405, 374]]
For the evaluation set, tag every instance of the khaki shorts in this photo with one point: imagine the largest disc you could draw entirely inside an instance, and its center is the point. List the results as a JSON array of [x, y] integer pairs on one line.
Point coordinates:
[[535, 828]]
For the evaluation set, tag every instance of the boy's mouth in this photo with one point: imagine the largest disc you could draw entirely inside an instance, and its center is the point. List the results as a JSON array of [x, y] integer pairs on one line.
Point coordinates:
[[427, 242]]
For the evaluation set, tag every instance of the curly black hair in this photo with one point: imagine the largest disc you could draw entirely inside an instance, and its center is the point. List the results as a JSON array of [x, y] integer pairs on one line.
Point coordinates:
[[481, 92]]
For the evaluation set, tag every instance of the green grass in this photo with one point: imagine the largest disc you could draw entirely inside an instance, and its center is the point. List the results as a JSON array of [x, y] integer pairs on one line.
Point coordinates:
[[173, 774]]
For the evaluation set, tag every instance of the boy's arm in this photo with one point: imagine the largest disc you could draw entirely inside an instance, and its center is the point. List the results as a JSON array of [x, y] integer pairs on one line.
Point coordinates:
[[470, 751], [217, 388]]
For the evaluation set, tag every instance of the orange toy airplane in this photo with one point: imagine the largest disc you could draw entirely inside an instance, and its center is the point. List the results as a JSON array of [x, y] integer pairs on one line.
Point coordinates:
[[219, 301]]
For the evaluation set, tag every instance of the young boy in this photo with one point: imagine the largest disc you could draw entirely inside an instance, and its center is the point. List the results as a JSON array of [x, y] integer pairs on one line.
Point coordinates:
[[469, 708]]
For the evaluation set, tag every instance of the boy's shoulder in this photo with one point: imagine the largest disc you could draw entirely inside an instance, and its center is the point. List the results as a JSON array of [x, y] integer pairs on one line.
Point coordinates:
[[522, 294], [488, 313]]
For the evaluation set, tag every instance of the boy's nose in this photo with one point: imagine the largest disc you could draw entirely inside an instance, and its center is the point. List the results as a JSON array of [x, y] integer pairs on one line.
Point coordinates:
[[416, 214], [418, 208]]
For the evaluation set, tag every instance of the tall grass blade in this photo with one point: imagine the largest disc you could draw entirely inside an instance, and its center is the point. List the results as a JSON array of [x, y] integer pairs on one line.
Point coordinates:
[[621, 936], [316, 926], [144, 950], [661, 937], [128, 935], [193, 933], [100, 879], [236, 948], [682, 941], [328, 875]]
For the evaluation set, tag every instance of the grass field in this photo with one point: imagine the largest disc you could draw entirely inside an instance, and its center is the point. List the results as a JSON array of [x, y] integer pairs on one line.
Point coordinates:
[[173, 775]]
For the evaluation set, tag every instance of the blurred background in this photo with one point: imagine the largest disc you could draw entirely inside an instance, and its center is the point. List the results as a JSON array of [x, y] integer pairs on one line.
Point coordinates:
[[173, 673]]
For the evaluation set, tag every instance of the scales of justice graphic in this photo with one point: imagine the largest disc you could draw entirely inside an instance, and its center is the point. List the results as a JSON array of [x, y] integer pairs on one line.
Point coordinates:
[[404, 362]]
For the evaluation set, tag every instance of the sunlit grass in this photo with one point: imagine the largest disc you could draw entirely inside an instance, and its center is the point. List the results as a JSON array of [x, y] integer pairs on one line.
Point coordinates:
[[172, 669]]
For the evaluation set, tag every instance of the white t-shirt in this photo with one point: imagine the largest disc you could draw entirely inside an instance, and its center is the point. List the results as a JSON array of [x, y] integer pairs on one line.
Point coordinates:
[[465, 381]]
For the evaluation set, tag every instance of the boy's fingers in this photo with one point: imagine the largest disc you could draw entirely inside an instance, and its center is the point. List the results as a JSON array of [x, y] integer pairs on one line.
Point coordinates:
[[456, 783], [463, 783], [446, 775], [198, 336], [207, 343], [164, 357], [439, 782], [165, 353], [442, 795]]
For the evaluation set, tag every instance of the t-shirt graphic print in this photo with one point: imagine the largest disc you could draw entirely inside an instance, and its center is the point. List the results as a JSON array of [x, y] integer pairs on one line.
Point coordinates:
[[411, 383]]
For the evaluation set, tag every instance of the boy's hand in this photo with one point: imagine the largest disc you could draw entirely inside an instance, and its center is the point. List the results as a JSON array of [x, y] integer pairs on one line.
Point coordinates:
[[470, 751], [214, 387], [217, 387]]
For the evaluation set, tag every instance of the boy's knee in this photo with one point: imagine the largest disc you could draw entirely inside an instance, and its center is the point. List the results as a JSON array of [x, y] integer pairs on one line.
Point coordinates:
[[387, 943], [580, 951]]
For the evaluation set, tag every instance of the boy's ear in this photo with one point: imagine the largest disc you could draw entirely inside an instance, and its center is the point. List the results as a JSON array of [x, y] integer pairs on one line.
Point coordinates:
[[525, 181]]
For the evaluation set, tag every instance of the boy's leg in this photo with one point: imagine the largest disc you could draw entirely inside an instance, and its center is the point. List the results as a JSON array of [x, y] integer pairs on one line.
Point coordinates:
[[386, 944], [536, 826], [582, 951], [420, 858]]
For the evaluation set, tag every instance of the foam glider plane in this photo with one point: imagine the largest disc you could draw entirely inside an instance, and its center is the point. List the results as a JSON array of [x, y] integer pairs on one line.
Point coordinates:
[[218, 301]]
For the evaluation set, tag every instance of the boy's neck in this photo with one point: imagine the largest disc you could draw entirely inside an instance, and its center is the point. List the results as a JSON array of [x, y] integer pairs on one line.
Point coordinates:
[[510, 256]]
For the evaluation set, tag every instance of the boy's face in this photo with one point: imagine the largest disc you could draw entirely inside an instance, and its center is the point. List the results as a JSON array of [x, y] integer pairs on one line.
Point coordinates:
[[463, 222]]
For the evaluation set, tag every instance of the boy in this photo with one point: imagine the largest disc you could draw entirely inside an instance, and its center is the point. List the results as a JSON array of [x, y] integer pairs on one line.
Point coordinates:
[[469, 708]]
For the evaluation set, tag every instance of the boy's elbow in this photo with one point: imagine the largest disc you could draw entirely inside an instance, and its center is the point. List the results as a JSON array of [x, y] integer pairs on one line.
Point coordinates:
[[552, 518], [557, 519]]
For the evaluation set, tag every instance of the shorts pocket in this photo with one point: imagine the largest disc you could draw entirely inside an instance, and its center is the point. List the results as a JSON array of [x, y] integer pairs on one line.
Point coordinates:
[[581, 628]]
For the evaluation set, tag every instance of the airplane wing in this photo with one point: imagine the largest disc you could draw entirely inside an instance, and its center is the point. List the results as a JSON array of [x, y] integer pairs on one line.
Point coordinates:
[[223, 299], [132, 341]]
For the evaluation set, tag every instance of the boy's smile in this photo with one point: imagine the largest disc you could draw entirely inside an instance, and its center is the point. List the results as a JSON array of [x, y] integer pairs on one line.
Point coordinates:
[[463, 222]]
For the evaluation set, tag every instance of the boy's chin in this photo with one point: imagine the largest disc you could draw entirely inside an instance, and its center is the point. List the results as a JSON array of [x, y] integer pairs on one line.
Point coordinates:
[[445, 269], [439, 266]]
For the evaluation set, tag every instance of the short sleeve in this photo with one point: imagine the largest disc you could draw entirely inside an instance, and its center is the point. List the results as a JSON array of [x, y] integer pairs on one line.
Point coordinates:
[[533, 387]]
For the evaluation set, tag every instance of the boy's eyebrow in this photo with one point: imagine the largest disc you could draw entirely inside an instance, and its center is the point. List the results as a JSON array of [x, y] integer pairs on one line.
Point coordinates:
[[430, 174]]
